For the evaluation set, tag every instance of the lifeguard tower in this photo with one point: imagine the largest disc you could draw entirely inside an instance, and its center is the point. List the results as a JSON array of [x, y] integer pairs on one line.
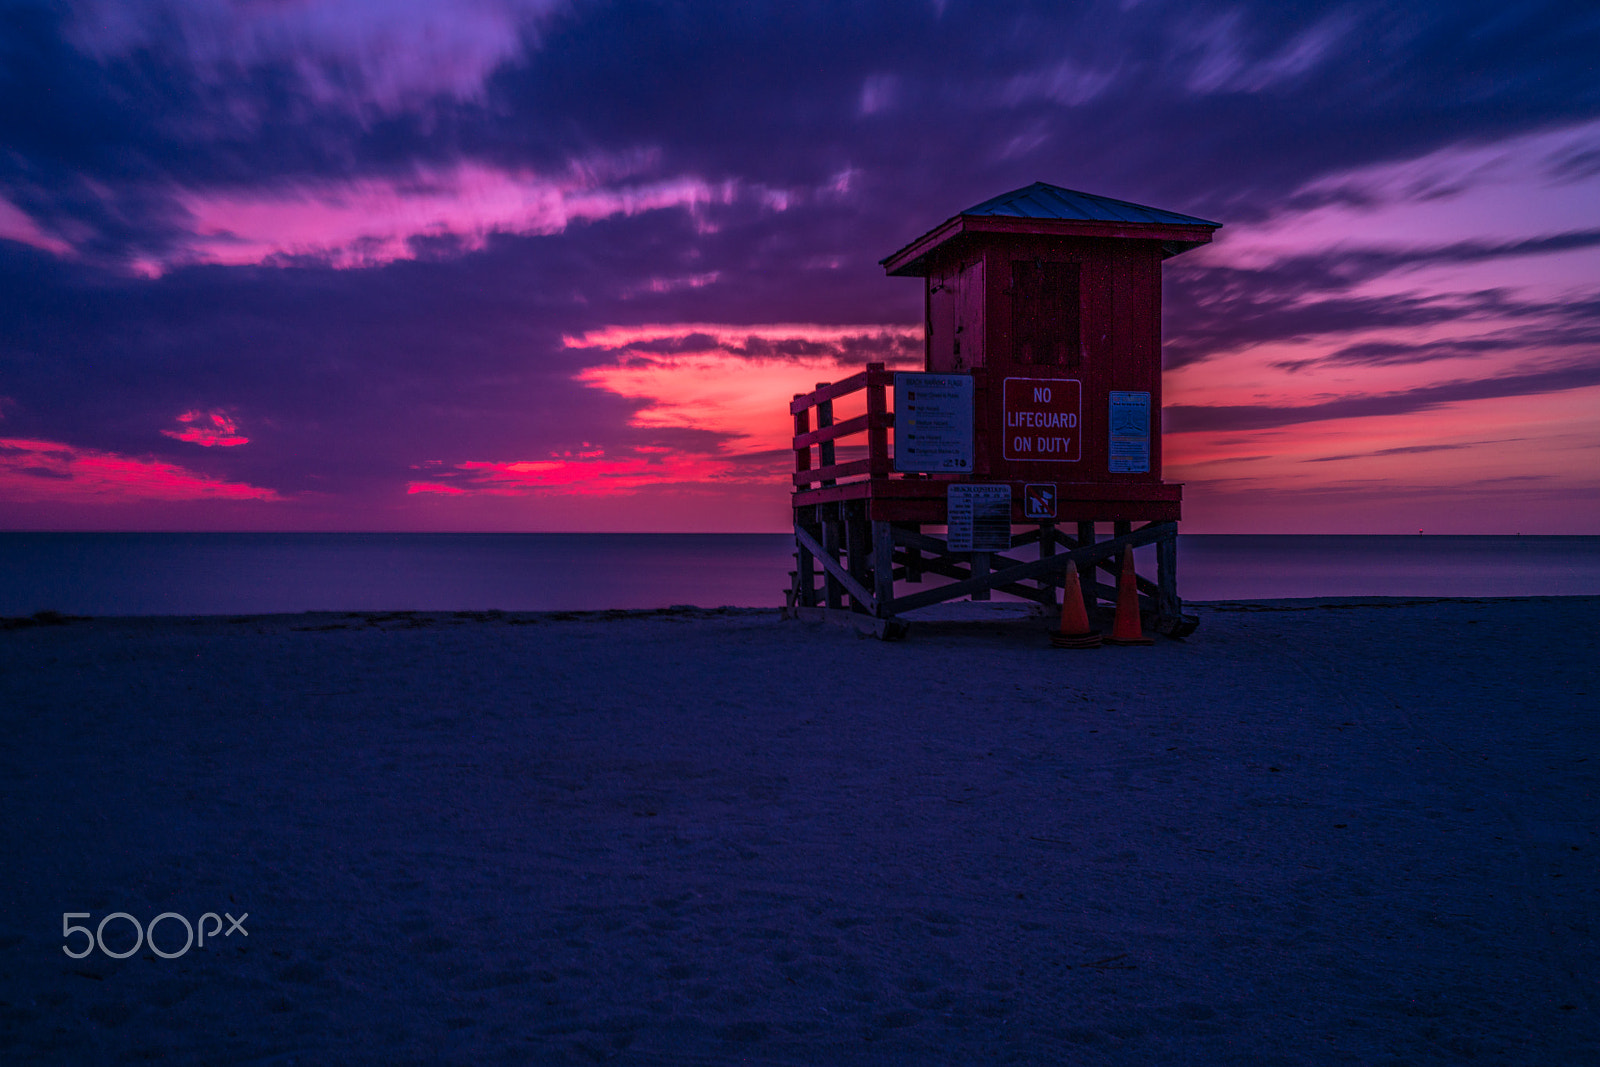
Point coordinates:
[[1036, 420]]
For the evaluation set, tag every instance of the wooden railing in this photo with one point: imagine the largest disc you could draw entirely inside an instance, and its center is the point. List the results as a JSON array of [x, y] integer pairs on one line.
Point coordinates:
[[876, 424]]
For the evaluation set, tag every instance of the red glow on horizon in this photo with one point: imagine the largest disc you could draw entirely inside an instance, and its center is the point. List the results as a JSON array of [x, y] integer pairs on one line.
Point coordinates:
[[34, 471], [582, 474]]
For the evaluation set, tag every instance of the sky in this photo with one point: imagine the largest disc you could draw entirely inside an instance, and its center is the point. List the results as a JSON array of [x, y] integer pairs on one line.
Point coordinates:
[[531, 265]]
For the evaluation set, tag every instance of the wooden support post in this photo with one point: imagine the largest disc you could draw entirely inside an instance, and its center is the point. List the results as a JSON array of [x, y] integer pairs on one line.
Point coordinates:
[[980, 569], [802, 426], [1167, 603], [1086, 571], [824, 420], [1047, 547], [913, 555], [834, 591], [807, 577], [882, 567], [858, 546], [877, 431]]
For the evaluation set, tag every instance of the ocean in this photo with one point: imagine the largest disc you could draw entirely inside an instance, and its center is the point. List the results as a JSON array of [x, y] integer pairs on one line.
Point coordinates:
[[264, 573]]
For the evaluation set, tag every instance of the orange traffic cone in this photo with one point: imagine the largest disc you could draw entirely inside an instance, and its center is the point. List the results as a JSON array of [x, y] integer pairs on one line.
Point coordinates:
[[1075, 631], [1126, 629]]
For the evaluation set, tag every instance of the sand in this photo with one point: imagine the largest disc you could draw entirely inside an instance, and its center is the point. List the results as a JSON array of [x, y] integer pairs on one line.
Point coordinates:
[[1313, 833]]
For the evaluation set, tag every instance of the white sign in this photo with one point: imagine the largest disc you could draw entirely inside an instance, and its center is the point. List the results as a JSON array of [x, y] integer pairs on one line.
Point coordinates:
[[1042, 418], [933, 423], [1129, 452], [978, 517]]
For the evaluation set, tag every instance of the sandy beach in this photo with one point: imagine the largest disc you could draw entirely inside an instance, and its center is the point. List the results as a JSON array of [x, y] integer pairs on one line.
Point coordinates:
[[1316, 832]]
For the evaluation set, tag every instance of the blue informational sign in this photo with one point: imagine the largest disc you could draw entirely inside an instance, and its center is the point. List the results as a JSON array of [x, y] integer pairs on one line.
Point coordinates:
[[1129, 451]]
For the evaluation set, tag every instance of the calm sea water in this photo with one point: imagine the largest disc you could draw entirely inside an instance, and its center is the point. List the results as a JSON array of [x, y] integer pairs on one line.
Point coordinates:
[[204, 574]]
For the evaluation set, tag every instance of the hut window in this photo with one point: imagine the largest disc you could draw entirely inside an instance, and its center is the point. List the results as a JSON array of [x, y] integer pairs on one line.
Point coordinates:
[[1044, 313]]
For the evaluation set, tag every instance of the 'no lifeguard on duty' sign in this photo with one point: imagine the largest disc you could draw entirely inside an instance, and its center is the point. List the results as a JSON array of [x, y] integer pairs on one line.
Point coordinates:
[[1042, 417]]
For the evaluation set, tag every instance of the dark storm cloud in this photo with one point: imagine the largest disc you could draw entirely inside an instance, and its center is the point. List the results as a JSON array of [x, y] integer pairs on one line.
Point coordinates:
[[1334, 270], [1223, 308], [1261, 317], [1183, 418], [97, 148], [1407, 450], [1567, 325], [1381, 353], [851, 350]]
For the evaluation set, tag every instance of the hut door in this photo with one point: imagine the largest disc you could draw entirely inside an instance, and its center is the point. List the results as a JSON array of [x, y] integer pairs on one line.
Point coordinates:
[[1044, 314], [969, 317]]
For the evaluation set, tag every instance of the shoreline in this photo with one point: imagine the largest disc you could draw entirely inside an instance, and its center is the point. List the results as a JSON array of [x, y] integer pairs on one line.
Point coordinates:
[[979, 611]]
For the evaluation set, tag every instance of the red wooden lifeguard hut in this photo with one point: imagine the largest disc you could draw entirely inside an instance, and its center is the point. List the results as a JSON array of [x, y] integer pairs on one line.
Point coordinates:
[[1037, 413]]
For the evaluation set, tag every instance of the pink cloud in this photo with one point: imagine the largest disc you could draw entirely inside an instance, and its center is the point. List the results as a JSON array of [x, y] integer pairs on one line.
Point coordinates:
[[17, 225], [34, 471], [371, 221], [208, 429]]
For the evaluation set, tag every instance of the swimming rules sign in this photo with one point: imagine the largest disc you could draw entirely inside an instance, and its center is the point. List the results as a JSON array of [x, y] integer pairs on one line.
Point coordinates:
[[933, 423]]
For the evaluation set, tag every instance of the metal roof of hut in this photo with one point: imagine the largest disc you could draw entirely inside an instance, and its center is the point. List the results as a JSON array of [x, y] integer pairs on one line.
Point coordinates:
[[1042, 208]]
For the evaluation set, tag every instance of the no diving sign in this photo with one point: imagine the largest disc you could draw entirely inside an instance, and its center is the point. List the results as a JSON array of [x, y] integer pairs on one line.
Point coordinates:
[[1041, 419]]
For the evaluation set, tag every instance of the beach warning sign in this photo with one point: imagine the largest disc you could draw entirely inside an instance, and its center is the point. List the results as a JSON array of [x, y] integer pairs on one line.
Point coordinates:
[[1042, 417], [1039, 501]]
